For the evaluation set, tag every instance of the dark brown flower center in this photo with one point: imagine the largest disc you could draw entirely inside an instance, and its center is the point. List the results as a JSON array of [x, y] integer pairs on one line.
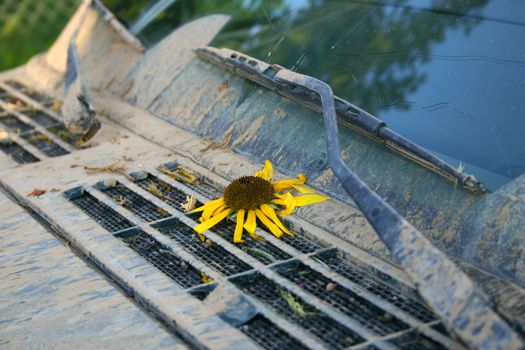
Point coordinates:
[[248, 193]]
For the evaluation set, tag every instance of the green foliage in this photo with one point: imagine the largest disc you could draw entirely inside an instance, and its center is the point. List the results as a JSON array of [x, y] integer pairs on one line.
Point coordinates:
[[28, 27]]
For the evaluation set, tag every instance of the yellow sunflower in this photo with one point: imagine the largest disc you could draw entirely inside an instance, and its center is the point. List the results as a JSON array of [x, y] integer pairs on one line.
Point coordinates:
[[256, 197]]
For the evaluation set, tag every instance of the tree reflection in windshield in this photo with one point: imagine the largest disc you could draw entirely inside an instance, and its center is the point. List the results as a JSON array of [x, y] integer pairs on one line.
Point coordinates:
[[445, 75]]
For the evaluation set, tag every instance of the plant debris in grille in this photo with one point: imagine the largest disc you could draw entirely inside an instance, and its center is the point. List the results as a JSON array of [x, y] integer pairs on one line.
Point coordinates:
[[101, 213], [334, 334], [268, 335], [17, 152], [406, 301], [259, 249], [61, 131], [164, 191], [164, 259], [14, 124], [40, 117], [349, 303], [139, 206], [211, 253], [44, 144]]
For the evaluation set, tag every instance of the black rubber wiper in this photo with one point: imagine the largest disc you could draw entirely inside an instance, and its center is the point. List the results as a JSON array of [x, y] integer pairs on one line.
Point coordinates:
[[448, 290], [347, 114]]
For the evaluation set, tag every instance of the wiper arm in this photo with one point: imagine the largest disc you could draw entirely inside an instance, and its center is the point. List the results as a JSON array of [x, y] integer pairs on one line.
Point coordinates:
[[348, 114]]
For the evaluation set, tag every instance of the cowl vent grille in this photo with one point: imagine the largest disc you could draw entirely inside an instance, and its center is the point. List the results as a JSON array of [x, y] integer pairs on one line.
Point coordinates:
[[298, 292]]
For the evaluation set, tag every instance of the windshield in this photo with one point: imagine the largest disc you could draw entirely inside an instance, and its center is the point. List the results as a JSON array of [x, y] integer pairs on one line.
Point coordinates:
[[449, 75]]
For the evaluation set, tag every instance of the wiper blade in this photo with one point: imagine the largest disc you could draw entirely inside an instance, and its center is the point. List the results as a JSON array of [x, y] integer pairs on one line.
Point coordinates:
[[348, 114]]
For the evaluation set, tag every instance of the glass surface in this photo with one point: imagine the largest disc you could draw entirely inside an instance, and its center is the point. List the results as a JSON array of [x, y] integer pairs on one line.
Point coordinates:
[[448, 74]]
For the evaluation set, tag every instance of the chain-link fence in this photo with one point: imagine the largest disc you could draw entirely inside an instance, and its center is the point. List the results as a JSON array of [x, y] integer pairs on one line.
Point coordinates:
[[30, 26]]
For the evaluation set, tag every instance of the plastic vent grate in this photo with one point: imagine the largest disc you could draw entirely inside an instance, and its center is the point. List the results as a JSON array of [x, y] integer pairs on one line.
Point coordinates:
[[14, 124], [259, 249], [45, 144], [139, 206], [101, 213], [40, 117], [162, 258], [17, 152], [268, 335], [164, 191], [341, 298], [413, 305], [335, 335], [212, 254]]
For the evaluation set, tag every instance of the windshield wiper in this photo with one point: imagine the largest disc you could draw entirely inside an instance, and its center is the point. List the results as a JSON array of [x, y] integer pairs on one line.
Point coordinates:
[[348, 114], [447, 289]]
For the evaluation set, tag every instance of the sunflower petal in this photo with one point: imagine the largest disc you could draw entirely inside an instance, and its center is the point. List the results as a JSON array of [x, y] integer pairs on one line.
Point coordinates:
[[268, 223], [251, 225], [207, 205], [310, 199], [287, 184], [267, 172], [206, 225], [237, 235], [303, 189], [270, 213], [208, 212], [288, 201]]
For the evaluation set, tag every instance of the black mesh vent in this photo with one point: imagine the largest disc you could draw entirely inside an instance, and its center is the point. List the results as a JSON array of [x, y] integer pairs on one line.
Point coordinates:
[[268, 335], [101, 213], [139, 206], [260, 250], [300, 242], [13, 100], [40, 117], [164, 191], [405, 299], [335, 335], [212, 254], [19, 154], [205, 189], [341, 298], [202, 293], [44, 144], [162, 258], [14, 124]]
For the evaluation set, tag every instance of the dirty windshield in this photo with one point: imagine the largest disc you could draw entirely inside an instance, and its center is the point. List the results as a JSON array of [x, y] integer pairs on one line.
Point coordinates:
[[449, 75]]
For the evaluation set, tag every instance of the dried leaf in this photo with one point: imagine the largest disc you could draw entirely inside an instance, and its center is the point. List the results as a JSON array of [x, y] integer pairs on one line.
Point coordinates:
[[296, 306], [36, 193], [190, 203], [263, 254], [114, 168], [54, 189], [180, 174], [154, 190], [121, 200], [161, 211], [205, 278]]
